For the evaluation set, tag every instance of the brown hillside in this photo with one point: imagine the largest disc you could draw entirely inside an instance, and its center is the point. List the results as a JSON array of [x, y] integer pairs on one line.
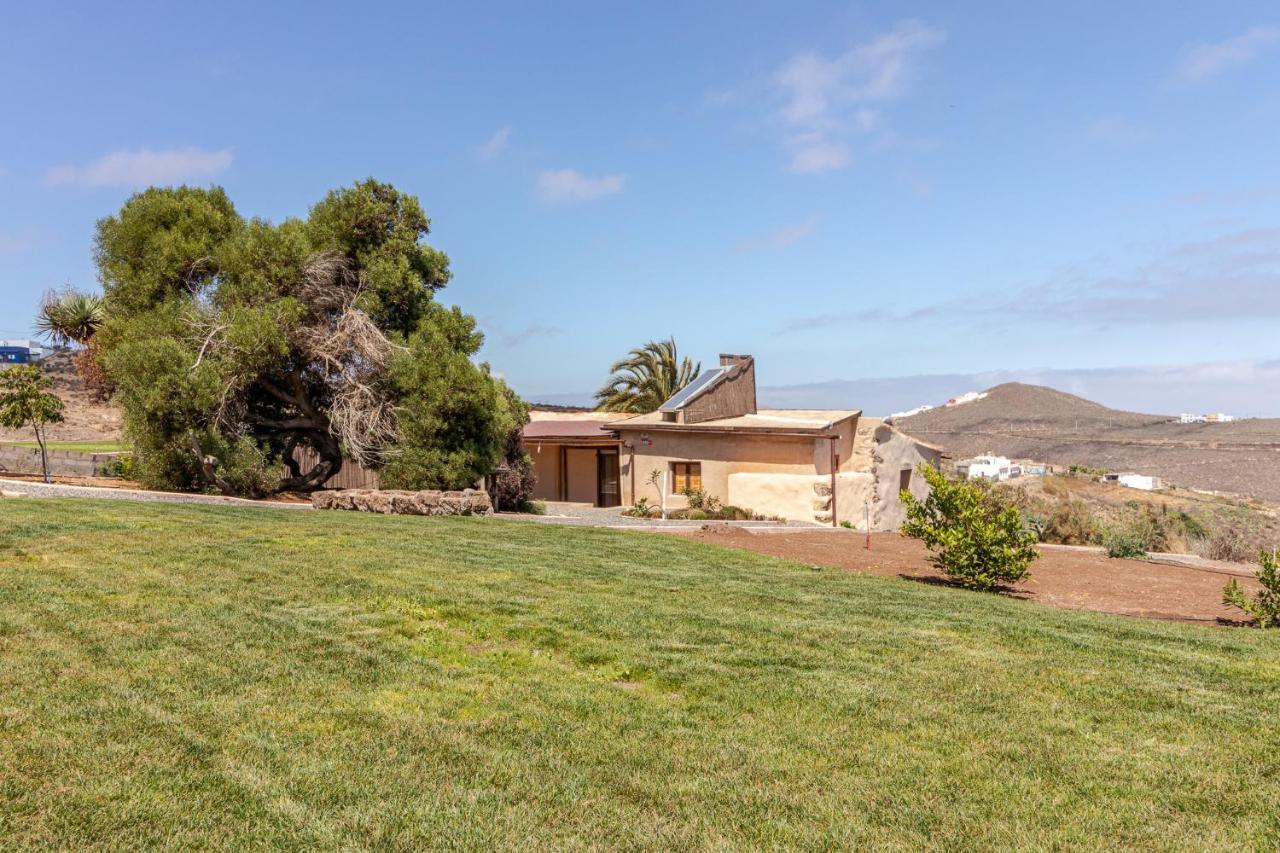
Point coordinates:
[[87, 419], [1031, 421]]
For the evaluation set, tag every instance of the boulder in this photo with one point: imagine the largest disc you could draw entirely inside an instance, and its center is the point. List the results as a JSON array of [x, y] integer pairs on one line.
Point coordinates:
[[396, 502]]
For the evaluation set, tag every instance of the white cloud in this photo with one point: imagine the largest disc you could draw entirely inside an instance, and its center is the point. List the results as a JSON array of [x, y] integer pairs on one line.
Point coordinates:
[[143, 167], [563, 186], [819, 155], [781, 238], [1114, 130], [826, 99], [496, 144], [1209, 60]]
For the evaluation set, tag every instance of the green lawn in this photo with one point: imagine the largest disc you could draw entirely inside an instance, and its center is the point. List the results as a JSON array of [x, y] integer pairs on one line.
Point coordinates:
[[80, 446], [185, 677]]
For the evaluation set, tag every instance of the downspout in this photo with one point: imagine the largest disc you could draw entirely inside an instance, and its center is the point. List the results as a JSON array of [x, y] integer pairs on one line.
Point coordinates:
[[835, 464], [631, 464]]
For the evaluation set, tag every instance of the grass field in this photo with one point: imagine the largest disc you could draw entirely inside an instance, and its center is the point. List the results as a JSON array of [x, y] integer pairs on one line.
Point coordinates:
[[80, 446], [184, 677]]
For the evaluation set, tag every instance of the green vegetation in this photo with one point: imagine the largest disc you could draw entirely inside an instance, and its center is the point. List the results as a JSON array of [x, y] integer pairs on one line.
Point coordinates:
[[976, 537], [648, 377], [232, 345], [75, 446], [27, 403], [1264, 607], [192, 677]]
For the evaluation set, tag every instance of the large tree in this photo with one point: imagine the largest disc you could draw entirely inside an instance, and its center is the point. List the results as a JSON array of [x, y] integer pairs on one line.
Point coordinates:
[[649, 376], [243, 348]]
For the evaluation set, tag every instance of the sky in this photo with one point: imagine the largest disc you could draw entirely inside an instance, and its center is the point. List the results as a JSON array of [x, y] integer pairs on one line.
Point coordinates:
[[937, 194]]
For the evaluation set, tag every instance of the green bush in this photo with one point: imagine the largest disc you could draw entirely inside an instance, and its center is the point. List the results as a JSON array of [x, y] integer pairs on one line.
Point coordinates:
[[976, 538], [1265, 606], [1127, 543], [699, 499]]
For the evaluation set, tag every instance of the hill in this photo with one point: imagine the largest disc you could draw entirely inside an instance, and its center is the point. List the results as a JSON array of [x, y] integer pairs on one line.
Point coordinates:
[[329, 681], [1032, 421], [88, 419]]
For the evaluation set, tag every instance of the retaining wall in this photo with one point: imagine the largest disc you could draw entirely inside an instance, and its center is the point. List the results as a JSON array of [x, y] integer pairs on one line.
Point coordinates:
[[66, 463]]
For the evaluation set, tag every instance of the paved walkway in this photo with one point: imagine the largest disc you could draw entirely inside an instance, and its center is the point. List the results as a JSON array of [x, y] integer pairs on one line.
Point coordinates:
[[42, 490]]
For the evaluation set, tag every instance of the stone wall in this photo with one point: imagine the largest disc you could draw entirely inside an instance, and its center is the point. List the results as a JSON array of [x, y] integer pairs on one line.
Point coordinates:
[[65, 463], [390, 502]]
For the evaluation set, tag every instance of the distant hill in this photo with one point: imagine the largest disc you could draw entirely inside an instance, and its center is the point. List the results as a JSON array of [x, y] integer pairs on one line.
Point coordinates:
[[1032, 421], [87, 418]]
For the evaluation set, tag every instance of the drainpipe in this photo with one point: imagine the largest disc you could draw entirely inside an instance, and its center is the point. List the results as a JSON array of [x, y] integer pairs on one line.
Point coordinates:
[[835, 465], [631, 463]]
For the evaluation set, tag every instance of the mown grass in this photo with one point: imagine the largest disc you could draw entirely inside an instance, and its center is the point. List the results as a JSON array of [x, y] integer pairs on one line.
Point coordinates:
[[78, 446], [184, 677]]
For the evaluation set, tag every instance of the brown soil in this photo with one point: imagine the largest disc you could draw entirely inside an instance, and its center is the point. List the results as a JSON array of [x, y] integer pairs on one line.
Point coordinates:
[[1081, 580]]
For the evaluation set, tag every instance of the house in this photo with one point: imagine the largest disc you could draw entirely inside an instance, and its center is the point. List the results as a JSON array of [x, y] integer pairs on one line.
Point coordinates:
[[1145, 482], [20, 352], [818, 466], [990, 467]]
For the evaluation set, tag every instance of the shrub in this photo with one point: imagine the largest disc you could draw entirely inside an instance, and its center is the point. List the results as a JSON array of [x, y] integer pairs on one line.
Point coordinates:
[[699, 499], [696, 515], [1126, 543], [534, 507], [975, 537], [511, 489], [847, 524], [1265, 606], [1071, 523]]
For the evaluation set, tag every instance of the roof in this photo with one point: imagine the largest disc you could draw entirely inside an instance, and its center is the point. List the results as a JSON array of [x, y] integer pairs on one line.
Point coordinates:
[[569, 429], [817, 422]]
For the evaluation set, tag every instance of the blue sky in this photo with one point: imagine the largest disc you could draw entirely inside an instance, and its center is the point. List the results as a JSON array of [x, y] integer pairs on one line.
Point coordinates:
[[847, 191]]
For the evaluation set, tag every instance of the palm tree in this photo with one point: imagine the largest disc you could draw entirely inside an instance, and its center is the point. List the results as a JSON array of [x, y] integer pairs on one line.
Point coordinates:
[[646, 378], [70, 316]]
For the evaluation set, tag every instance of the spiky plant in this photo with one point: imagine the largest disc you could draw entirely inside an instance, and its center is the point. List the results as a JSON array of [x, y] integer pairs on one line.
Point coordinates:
[[647, 377], [71, 316]]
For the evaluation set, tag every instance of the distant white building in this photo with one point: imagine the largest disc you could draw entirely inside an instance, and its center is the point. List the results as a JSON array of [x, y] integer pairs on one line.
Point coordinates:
[[34, 350], [989, 467], [966, 398], [1145, 482], [909, 412], [1211, 418]]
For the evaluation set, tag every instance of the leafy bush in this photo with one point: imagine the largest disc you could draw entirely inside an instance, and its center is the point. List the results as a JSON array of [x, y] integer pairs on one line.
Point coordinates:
[[699, 499], [696, 515], [1265, 606], [977, 538], [534, 507], [1126, 543]]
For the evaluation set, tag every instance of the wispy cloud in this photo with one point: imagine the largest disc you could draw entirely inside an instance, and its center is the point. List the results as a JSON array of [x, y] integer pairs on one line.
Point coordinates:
[[143, 167], [780, 238], [566, 186], [495, 144], [1234, 276], [1209, 60], [12, 243], [1114, 130], [827, 99], [1239, 387], [533, 331]]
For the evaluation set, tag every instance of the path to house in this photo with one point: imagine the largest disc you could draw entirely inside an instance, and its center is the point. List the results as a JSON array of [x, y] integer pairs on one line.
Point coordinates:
[[595, 516]]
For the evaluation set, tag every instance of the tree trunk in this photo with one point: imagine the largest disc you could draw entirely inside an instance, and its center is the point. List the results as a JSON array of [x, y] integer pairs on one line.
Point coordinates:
[[44, 455]]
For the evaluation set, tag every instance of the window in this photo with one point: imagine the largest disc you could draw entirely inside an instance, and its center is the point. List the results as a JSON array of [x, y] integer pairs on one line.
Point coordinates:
[[685, 475]]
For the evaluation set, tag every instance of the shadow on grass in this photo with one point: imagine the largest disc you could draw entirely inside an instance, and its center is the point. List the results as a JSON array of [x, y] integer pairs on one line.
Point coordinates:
[[952, 583]]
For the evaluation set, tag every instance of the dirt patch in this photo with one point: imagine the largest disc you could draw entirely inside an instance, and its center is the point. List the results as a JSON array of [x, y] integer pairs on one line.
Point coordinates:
[[1079, 580]]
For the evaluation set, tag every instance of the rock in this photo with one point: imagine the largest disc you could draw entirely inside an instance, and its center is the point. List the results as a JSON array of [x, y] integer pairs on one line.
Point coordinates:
[[396, 502]]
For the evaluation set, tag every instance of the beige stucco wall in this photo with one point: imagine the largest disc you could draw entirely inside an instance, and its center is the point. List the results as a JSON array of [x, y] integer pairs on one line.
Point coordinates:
[[768, 474], [546, 465], [581, 474], [894, 453]]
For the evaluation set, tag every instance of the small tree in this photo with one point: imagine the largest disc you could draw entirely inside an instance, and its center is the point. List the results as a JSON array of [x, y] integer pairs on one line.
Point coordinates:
[[1265, 606], [976, 538], [26, 401]]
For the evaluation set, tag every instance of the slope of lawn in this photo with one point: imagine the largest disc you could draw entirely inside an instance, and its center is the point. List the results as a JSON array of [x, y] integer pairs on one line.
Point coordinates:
[[77, 446], [186, 677]]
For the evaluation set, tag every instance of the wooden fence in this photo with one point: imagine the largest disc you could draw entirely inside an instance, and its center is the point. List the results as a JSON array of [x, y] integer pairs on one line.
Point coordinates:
[[352, 476]]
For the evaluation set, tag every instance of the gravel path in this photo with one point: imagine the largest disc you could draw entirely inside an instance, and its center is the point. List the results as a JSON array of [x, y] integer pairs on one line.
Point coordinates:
[[594, 516], [41, 490]]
